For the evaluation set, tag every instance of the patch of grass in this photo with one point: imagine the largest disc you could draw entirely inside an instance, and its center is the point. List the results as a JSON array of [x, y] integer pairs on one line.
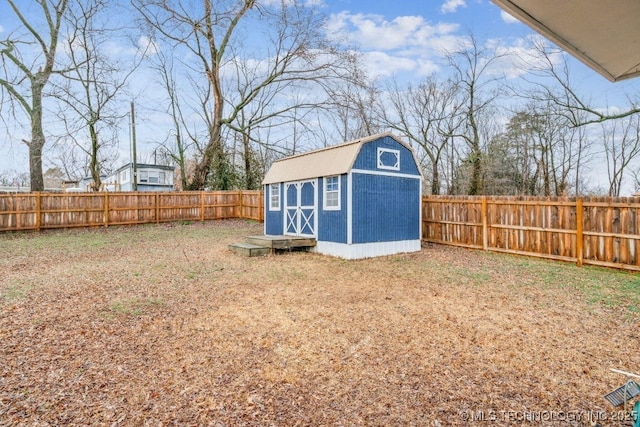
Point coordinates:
[[611, 288], [474, 277], [69, 241], [13, 292], [135, 306]]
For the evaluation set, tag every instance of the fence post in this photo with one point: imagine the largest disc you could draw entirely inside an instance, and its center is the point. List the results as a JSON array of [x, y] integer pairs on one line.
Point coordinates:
[[579, 232], [485, 227], [106, 208], [241, 200], [38, 211], [157, 211], [261, 207], [201, 206]]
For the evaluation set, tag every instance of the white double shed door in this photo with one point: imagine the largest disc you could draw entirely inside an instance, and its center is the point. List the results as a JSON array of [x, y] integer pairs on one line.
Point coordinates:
[[300, 208]]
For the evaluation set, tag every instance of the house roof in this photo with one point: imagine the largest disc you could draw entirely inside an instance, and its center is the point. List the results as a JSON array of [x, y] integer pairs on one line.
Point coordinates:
[[144, 166], [334, 160], [604, 35]]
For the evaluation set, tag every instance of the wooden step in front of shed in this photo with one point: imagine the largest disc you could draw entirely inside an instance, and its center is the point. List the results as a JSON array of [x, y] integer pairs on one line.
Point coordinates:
[[249, 249], [282, 242]]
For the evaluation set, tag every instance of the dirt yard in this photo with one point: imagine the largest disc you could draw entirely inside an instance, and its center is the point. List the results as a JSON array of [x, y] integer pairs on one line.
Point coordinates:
[[163, 325]]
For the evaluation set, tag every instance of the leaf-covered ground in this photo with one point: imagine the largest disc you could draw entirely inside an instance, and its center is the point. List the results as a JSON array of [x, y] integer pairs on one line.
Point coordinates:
[[163, 325]]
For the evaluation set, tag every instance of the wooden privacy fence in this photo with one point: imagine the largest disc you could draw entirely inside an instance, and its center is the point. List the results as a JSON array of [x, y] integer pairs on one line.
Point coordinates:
[[591, 230], [37, 211]]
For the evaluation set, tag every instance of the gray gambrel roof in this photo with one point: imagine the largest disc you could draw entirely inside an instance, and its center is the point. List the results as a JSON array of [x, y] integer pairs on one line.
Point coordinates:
[[334, 160], [605, 35]]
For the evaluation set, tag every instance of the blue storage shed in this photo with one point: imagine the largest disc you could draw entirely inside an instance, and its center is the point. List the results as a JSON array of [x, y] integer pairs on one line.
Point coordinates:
[[358, 199]]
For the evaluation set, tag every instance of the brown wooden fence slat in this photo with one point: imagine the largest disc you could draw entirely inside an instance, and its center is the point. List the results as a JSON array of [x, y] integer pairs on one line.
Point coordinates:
[[593, 230], [36, 211]]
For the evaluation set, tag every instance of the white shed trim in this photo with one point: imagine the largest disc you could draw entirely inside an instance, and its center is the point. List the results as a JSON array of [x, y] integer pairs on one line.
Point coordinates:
[[350, 208], [379, 173]]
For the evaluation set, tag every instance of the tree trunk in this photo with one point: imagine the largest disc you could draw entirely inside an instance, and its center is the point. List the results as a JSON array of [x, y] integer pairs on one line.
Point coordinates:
[[180, 159], [248, 172], [475, 185], [211, 159], [435, 180], [35, 163], [94, 165], [36, 144]]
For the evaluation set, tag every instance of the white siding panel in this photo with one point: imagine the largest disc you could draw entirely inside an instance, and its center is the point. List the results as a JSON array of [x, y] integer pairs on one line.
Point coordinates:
[[367, 250]]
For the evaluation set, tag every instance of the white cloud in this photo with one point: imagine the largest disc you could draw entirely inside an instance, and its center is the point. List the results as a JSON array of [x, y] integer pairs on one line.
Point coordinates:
[[508, 19], [381, 64], [521, 58], [1, 29], [451, 6], [374, 32], [147, 46], [405, 44], [426, 67]]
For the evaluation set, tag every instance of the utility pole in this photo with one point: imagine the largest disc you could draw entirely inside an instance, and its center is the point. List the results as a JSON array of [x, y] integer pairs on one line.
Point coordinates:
[[134, 156]]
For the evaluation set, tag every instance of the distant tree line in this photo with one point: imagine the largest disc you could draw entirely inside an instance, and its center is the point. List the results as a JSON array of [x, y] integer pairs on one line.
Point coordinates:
[[240, 83]]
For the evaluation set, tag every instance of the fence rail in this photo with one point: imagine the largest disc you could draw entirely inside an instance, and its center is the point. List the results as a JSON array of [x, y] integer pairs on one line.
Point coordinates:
[[592, 230], [38, 211]]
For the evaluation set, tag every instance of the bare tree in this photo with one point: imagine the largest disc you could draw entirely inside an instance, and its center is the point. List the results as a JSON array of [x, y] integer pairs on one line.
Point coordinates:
[[281, 104], [72, 161], [90, 93], [206, 32], [180, 140], [12, 178], [428, 115], [621, 141], [582, 148], [552, 83], [540, 152], [470, 65], [567, 151], [296, 51], [554, 149], [25, 75], [353, 109]]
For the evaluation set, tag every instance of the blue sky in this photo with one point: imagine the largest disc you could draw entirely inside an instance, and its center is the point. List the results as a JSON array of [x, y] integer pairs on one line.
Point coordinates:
[[403, 38], [377, 25], [441, 23], [414, 33]]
